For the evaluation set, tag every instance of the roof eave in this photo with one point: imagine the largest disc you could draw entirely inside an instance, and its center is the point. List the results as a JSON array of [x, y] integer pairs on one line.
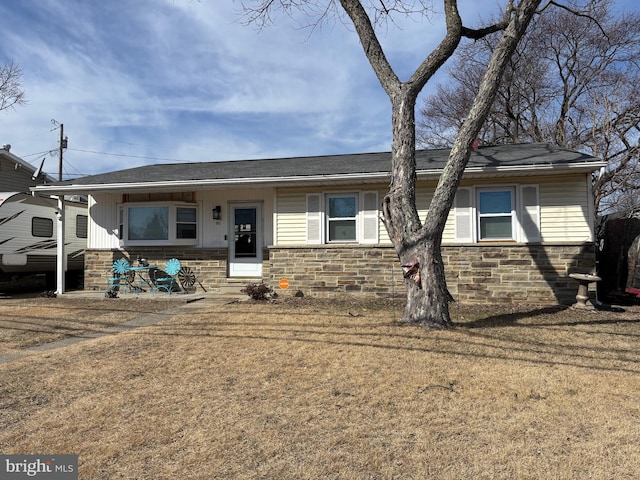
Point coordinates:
[[338, 179]]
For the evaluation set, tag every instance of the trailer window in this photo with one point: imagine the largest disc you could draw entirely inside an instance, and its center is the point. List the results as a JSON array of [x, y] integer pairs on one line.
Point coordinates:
[[42, 227], [81, 226]]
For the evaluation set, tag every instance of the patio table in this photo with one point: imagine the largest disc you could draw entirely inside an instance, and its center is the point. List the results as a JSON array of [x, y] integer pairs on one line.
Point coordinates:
[[142, 278]]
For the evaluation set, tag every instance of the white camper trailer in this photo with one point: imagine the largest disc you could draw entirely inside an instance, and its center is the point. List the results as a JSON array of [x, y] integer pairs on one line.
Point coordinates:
[[28, 236]]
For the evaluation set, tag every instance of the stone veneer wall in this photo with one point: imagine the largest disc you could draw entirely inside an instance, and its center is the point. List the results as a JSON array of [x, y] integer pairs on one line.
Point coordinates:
[[497, 273], [208, 264]]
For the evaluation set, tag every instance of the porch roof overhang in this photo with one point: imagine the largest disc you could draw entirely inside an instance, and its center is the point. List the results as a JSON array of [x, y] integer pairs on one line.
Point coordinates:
[[358, 169]]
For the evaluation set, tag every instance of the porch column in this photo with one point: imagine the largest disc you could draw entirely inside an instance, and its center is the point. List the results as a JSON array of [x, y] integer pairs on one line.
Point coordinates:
[[61, 258]]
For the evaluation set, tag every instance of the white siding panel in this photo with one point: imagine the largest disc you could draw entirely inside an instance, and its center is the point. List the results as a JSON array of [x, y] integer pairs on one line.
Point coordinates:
[[564, 211], [103, 222], [291, 218], [424, 194], [529, 213]]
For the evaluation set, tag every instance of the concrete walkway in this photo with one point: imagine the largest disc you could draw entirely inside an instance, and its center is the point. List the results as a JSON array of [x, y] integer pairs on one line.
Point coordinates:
[[183, 302]]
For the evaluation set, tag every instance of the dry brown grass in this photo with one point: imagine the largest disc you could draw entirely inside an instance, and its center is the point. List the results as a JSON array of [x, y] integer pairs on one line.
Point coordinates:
[[283, 391], [29, 322]]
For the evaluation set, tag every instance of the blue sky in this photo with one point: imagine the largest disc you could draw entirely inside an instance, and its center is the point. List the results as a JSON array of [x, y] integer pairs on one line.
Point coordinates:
[[146, 81]]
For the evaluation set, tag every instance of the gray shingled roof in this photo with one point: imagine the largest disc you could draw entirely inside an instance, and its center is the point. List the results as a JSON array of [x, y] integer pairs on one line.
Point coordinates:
[[502, 158]]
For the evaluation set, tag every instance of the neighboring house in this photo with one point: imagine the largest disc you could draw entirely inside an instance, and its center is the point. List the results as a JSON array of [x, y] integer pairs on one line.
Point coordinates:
[[521, 222], [16, 175]]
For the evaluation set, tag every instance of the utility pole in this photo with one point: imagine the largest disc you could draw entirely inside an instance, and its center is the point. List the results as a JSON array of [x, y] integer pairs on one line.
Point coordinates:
[[60, 152], [61, 259]]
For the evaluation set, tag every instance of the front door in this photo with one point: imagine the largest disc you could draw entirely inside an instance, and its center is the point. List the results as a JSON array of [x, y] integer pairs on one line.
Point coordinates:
[[245, 243]]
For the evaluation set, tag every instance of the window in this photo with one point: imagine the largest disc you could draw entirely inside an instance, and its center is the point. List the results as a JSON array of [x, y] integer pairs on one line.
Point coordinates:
[[496, 211], [342, 211], [158, 224], [148, 223], [186, 225], [510, 213], [342, 217], [81, 226], [42, 227]]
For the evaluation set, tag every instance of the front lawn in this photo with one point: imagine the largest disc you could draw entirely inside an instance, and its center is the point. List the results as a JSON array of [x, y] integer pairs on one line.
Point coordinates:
[[339, 391]]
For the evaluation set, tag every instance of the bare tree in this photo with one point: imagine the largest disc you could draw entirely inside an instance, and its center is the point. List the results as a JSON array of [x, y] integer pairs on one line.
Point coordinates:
[[415, 240], [574, 81], [11, 93]]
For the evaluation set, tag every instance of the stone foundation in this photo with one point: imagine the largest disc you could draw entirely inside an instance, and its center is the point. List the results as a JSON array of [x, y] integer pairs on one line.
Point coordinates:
[[496, 273]]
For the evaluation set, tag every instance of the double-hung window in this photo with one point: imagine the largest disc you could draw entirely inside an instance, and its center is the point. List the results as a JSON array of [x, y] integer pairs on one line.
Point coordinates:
[[342, 217], [342, 213], [504, 213], [496, 214]]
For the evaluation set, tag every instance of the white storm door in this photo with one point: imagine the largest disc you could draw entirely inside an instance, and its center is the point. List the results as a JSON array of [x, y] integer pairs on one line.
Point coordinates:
[[245, 243]]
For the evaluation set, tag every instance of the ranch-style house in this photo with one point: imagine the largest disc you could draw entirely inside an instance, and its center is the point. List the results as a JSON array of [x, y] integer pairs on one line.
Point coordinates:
[[522, 221]]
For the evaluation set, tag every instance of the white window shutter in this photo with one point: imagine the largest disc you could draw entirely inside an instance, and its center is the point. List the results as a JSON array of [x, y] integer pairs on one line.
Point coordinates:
[[464, 221], [369, 215], [530, 213], [314, 218]]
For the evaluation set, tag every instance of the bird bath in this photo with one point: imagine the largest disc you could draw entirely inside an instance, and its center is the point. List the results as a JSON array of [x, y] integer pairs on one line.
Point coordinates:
[[582, 298]]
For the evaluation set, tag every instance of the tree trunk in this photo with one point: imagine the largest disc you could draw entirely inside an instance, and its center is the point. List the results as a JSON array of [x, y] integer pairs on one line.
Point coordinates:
[[417, 244], [428, 297], [427, 294]]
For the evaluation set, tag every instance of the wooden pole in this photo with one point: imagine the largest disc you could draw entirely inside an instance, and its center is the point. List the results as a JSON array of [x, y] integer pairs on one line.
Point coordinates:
[[60, 152]]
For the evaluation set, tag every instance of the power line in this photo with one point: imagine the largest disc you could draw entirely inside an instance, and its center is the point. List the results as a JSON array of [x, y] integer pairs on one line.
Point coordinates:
[[131, 156]]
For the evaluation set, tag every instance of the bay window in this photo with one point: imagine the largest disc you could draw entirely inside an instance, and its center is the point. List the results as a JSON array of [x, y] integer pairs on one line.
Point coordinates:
[[158, 224]]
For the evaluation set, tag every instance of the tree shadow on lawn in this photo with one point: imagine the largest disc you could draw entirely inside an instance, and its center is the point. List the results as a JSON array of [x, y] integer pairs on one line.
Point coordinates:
[[554, 316], [463, 341]]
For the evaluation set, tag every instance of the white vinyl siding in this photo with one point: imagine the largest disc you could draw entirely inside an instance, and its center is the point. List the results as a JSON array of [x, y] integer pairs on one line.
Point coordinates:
[[424, 194], [103, 223], [529, 213], [291, 219], [562, 220]]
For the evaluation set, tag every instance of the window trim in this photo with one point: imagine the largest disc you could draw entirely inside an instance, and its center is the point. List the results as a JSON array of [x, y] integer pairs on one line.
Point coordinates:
[[328, 219], [511, 215], [367, 217], [172, 238], [526, 213]]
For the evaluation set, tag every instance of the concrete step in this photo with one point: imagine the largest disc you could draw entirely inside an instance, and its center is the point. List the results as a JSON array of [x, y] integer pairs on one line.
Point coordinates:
[[233, 286]]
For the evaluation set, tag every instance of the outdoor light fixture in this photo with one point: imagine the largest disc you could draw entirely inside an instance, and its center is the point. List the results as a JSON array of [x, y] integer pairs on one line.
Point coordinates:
[[217, 212]]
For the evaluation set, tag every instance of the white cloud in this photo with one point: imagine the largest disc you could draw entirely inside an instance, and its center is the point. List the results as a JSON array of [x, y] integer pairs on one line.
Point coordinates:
[[187, 80]]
